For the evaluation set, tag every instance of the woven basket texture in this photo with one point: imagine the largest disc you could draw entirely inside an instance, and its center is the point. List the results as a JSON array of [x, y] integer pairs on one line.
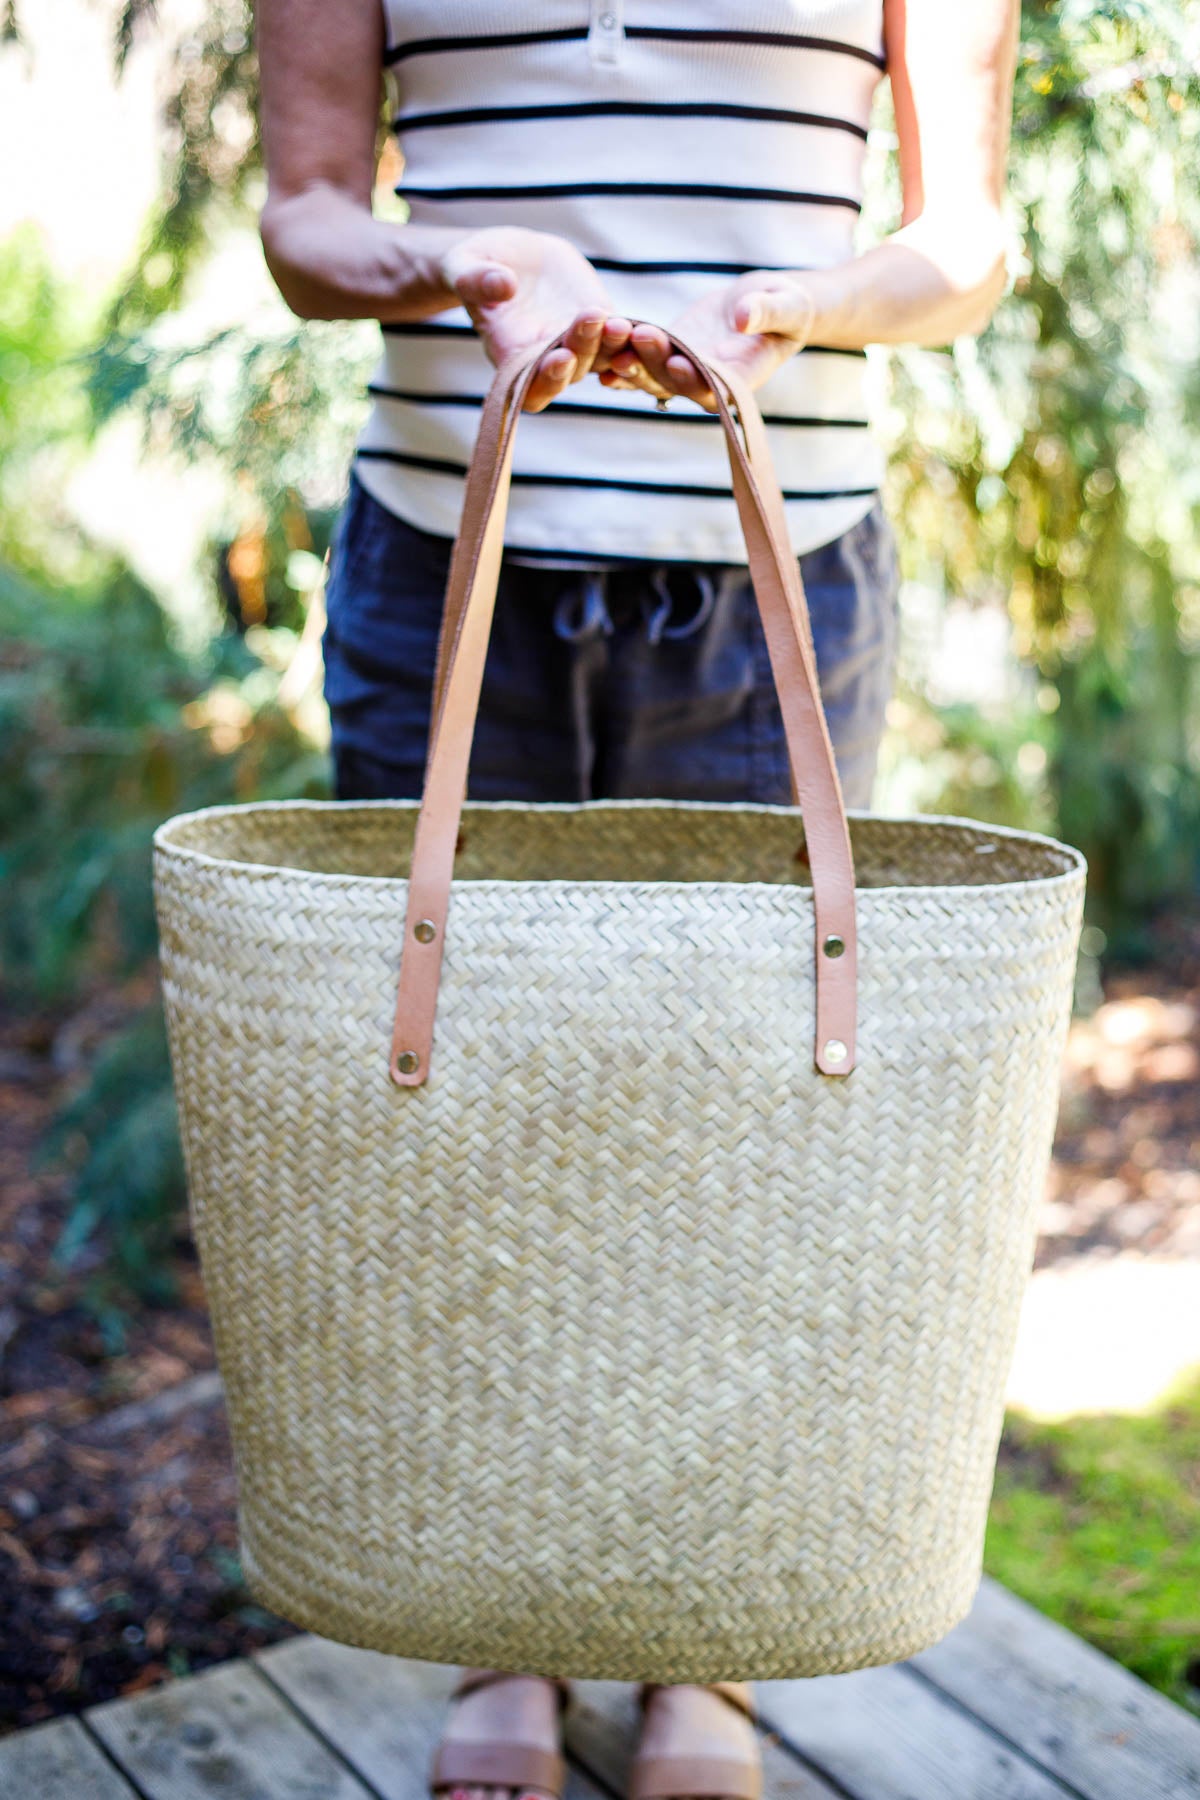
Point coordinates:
[[628, 1345]]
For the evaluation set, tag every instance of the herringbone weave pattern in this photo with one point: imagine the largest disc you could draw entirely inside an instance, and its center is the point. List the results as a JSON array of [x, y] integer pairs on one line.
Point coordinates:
[[628, 1345]]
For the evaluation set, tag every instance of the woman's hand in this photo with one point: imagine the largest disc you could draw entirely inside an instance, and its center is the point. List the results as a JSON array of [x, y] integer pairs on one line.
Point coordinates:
[[752, 324], [522, 287]]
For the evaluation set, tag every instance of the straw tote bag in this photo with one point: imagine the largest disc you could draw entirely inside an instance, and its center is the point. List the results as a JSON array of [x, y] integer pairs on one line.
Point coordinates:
[[650, 1317]]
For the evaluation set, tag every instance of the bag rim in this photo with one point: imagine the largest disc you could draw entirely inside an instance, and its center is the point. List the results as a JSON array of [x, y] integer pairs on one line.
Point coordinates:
[[167, 848]]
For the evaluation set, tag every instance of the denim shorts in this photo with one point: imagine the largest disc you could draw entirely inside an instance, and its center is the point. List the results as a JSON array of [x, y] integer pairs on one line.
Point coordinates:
[[645, 681]]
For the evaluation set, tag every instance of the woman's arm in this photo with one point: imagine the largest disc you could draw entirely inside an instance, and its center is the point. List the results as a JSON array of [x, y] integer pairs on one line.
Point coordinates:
[[321, 76], [941, 274], [321, 80]]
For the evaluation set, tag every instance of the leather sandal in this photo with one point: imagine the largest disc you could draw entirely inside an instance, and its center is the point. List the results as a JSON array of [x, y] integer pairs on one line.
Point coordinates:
[[693, 1774], [485, 1762]]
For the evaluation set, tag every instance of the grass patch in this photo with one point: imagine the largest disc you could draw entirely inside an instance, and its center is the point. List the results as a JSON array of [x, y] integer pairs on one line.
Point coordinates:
[[1096, 1521]]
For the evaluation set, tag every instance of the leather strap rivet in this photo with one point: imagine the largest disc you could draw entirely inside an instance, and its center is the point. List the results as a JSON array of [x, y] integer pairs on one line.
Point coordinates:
[[424, 931], [834, 945], [408, 1062], [835, 1051]]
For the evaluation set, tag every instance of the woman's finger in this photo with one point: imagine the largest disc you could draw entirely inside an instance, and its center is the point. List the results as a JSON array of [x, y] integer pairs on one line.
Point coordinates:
[[773, 312], [637, 375], [613, 339], [485, 284], [584, 339], [684, 378], [555, 372], [652, 347]]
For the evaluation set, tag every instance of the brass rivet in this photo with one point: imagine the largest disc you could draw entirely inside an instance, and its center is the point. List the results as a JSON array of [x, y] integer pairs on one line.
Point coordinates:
[[834, 945], [835, 1051], [408, 1062], [424, 931]]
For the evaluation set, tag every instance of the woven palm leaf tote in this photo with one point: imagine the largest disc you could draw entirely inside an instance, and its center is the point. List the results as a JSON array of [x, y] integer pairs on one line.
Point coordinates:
[[634, 1295]]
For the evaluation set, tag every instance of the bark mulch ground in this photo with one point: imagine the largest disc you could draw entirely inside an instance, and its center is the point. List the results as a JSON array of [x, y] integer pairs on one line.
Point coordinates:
[[118, 1546]]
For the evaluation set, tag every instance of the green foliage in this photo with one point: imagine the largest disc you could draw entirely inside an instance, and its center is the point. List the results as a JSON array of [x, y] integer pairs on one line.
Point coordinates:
[[97, 727], [212, 153], [1056, 462], [107, 728], [1096, 1521], [211, 148], [43, 407], [276, 412], [119, 1134]]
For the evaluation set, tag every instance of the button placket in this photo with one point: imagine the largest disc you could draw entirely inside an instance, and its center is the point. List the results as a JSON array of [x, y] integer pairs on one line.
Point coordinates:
[[606, 31]]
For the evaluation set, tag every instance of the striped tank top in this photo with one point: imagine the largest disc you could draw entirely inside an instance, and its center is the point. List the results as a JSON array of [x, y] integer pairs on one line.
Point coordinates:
[[676, 146]]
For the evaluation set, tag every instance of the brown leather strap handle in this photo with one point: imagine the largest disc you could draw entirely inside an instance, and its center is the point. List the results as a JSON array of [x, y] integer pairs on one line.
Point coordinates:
[[462, 651]]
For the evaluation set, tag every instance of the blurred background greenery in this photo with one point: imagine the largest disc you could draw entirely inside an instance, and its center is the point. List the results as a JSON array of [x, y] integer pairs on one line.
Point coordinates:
[[1045, 481]]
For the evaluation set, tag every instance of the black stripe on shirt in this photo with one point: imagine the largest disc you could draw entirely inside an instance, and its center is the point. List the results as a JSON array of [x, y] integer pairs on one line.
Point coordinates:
[[631, 190], [615, 266], [435, 465], [580, 407], [593, 109], [426, 328], [498, 40], [437, 328], [785, 40], [618, 266]]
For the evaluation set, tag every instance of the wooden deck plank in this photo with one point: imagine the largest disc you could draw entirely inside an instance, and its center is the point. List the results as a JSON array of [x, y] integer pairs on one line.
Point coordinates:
[[883, 1734], [1009, 1707], [384, 1715], [223, 1735], [602, 1728], [58, 1761], [1065, 1703]]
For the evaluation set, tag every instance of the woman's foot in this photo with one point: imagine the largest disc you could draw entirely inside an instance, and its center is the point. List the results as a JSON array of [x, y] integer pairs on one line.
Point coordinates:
[[502, 1739], [698, 1743]]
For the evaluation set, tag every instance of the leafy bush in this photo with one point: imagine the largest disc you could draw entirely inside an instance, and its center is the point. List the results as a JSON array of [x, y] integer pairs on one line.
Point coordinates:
[[1054, 463], [275, 410], [44, 411], [107, 728], [108, 725]]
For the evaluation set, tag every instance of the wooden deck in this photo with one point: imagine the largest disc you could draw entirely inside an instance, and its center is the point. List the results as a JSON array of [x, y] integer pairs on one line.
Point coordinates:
[[1009, 1707]]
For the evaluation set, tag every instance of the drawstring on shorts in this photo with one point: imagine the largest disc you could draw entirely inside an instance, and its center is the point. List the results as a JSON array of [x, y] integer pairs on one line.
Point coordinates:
[[582, 614], [658, 618]]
